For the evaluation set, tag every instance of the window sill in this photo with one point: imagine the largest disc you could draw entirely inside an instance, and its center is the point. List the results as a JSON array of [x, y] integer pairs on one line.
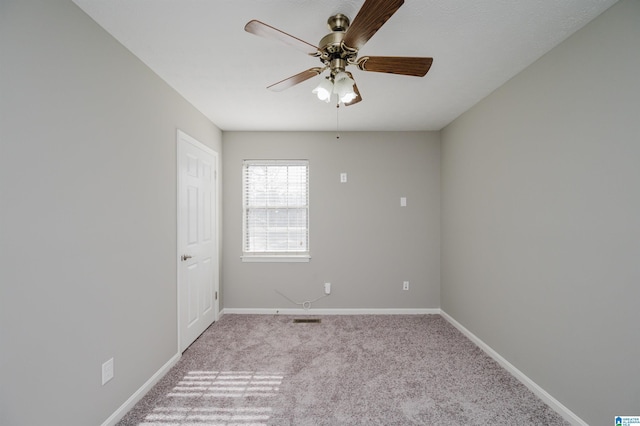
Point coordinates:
[[276, 259]]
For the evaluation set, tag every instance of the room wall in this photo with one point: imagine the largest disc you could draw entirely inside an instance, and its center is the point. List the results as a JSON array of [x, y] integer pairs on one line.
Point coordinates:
[[541, 219], [361, 240], [87, 216]]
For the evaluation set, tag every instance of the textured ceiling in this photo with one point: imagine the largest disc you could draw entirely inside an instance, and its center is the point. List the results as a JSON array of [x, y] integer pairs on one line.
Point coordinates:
[[200, 48]]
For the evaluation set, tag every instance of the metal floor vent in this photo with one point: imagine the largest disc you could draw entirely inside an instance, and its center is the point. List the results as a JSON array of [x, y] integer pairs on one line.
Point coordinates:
[[307, 320]]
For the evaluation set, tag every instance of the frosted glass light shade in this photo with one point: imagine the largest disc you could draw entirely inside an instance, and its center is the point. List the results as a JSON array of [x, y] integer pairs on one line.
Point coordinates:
[[343, 87], [348, 97], [324, 90]]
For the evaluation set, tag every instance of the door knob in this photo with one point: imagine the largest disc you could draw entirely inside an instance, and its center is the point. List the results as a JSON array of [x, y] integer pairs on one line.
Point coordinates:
[[185, 257]]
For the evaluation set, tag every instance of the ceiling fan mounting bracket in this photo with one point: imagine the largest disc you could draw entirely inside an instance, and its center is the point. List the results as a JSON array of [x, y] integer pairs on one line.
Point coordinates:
[[338, 22]]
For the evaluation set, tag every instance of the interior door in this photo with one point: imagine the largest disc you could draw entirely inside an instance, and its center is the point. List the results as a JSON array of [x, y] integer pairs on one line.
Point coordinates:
[[197, 239]]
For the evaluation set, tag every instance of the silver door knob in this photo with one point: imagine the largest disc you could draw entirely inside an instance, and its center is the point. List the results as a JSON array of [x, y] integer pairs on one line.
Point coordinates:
[[185, 257]]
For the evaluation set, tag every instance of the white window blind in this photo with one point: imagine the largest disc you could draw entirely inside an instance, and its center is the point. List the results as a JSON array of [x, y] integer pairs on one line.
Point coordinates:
[[275, 208]]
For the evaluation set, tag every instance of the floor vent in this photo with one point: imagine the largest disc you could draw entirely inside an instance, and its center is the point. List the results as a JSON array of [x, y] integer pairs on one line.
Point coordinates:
[[307, 320]]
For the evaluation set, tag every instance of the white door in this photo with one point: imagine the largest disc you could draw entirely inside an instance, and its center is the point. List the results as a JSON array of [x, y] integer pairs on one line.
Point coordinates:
[[197, 239]]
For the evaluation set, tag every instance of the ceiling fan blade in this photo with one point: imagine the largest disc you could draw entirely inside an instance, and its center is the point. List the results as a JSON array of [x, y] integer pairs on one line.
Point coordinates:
[[267, 31], [403, 65], [355, 89], [293, 80], [372, 15]]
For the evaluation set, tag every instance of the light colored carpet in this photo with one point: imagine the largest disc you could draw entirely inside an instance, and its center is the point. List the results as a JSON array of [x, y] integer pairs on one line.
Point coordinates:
[[249, 370]]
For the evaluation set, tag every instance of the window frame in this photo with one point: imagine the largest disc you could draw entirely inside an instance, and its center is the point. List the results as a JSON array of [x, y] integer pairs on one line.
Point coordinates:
[[274, 255]]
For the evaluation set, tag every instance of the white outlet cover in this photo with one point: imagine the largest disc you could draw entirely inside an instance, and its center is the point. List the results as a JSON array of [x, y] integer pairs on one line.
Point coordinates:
[[107, 371], [343, 177]]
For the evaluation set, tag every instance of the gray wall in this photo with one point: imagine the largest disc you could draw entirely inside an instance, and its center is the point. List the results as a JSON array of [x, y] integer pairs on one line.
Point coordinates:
[[361, 240], [87, 216], [541, 219]]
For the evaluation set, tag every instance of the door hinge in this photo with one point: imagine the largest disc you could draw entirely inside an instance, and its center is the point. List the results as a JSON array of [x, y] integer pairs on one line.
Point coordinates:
[[216, 295]]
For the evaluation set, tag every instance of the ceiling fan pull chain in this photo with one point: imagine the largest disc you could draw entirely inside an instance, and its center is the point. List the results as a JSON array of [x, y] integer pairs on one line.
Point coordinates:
[[338, 119]]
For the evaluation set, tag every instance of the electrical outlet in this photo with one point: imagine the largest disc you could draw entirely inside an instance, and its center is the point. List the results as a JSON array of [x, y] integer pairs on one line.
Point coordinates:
[[327, 288], [107, 371], [405, 285], [343, 177]]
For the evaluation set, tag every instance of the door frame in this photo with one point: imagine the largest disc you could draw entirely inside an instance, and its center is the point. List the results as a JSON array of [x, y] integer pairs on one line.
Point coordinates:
[[183, 137]]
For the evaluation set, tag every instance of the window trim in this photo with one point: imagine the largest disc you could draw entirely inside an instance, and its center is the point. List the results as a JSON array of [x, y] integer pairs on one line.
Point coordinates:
[[283, 258], [275, 257]]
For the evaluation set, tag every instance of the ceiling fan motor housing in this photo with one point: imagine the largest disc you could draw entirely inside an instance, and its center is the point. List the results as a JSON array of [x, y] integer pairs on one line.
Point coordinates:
[[333, 53]]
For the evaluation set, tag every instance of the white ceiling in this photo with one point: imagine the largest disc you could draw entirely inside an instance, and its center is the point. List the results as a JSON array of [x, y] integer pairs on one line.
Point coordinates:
[[200, 48]]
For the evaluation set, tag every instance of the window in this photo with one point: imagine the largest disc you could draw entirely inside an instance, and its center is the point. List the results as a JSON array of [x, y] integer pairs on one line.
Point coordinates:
[[275, 216]]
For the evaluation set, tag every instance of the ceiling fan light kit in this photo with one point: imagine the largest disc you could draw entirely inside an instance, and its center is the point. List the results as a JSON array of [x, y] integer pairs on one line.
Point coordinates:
[[340, 84], [340, 48]]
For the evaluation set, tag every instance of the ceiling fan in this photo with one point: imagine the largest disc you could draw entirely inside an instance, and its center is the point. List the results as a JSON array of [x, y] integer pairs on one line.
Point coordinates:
[[339, 49]]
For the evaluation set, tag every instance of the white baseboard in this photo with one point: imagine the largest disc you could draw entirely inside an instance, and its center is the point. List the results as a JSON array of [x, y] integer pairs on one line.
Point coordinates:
[[137, 396], [294, 311], [567, 414]]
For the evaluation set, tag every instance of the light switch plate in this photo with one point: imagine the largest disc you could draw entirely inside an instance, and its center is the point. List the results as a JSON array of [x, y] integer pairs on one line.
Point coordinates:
[[403, 201], [343, 177]]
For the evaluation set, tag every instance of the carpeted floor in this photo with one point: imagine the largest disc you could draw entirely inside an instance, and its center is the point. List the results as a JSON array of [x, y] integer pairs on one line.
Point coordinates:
[[249, 370]]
